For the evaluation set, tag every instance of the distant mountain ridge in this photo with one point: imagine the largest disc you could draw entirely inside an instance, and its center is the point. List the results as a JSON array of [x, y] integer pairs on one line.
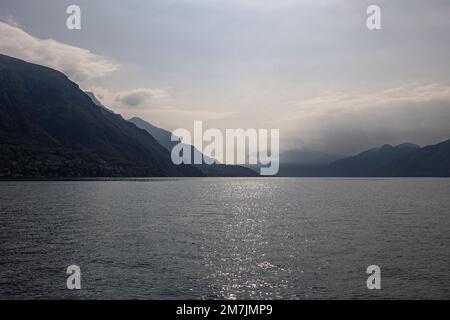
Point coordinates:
[[164, 138], [429, 161], [161, 135], [370, 162], [404, 160]]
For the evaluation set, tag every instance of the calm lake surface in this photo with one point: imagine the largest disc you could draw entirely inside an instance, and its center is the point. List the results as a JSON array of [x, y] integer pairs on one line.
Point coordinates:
[[292, 238]]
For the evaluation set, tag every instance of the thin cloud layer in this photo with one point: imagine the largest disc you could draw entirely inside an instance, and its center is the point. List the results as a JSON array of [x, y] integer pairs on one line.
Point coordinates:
[[77, 63], [138, 97]]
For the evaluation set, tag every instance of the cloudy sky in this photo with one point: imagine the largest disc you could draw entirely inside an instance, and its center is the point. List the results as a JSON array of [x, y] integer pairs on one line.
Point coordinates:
[[308, 67]]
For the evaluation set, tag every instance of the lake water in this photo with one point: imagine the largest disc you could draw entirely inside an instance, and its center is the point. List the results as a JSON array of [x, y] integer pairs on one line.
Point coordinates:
[[210, 238]]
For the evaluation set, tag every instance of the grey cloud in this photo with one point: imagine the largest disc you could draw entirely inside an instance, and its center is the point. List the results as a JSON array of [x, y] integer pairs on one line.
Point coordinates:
[[137, 97], [77, 63]]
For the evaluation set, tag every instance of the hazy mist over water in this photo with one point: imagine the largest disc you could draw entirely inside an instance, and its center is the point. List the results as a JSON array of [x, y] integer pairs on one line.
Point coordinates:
[[214, 238]]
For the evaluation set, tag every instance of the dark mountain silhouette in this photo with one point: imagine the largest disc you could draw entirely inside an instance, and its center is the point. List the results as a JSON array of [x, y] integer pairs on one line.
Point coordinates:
[[164, 138], [50, 128], [430, 161], [370, 162], [404, 160], [161, 135], [97, 102]]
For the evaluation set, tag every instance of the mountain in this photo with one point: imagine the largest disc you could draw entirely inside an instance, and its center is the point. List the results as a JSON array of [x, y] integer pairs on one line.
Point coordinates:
[[430, 161], [370, 162], [50, 128], [220, 170], [161, 135], [96, 101]]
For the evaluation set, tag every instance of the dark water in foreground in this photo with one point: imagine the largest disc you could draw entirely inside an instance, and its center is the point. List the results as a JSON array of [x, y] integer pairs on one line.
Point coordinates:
[[226, 238]]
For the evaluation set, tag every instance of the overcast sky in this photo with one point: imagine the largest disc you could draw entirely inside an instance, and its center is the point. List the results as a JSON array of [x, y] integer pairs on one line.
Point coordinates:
[[308, 67]]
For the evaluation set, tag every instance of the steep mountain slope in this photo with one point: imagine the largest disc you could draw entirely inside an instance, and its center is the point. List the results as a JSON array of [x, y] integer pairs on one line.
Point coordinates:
[[220, 170], [164, 137], [161, 135], [50, 128], [96, 101]]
